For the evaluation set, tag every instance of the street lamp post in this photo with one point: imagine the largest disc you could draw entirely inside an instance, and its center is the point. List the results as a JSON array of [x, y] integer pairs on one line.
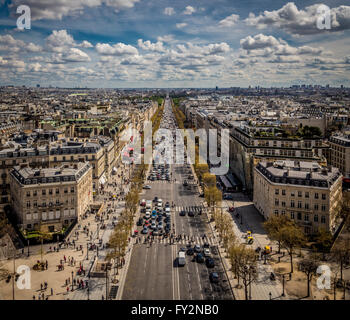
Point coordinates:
[[106, 282], [28, 247], [87, 251], [72, 280], [282, 285], [270, 294]]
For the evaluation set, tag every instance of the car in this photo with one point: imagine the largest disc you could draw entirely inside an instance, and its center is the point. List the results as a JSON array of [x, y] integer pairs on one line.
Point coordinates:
[[190, 177], [214, 277], [153, 226], [197, 248], [147, 215], [182, 213], [199, 258], [228, 196], [147, 186], [190, 251], [185, 183], [144, 230], [206, 252], [160, 202], [209, 262], [143, 202], [155, 232], [155, 199], [167, 204], [206, 245], [140, 222], [190, 213]]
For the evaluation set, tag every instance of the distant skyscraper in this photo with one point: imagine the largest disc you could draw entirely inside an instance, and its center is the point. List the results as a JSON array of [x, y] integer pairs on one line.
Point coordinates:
[[38, 85]]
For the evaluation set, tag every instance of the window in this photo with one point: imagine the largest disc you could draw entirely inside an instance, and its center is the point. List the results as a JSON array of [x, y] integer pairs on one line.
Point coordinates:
[[65, 190], [323, 219], [306, 206], [276, 202], [277, 191], [50, 191], [72, 190], [28, 204], [283, 192], [35, 193], [292, 204], [57, 191], [316, 195], [299, 204], [283, 204], [283, 213], [292, 215], [292, 194], [276, 212], [306, 217], [316, 206], [28, 193], [316, 217], [43, 192], [306, 195], [299, 215], [323, 207], [300, 194], [35, 203], [323, 196]]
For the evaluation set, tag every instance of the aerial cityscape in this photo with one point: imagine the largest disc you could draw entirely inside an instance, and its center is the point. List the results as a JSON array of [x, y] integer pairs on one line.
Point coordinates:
[[174, 150]]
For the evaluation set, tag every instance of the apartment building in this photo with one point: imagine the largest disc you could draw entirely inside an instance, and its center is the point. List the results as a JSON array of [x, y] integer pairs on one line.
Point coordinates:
[[304, 191], [250, 144], [50, 199], [339, 155], [55, 155]]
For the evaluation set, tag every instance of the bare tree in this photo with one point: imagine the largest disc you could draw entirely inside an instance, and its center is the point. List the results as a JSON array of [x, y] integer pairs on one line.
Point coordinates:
[[244, 265], [292, 237], [309, 267], [341, 253]]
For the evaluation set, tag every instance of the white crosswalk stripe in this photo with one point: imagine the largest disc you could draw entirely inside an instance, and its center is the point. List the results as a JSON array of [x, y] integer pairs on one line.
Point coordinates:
[[184, 242]]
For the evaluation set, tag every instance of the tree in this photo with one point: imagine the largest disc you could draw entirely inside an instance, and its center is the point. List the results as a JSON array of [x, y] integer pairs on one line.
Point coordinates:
[[292, 237], [341, 253], [273, 227], [323, 241], [213, 196], [309, 267], [118, 243], [209, 179], [244, 265]]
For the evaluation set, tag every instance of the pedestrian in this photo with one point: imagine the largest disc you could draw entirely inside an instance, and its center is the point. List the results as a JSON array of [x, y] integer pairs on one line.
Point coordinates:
[[67, 290], [46, 264], [33, 297], [41, 286]]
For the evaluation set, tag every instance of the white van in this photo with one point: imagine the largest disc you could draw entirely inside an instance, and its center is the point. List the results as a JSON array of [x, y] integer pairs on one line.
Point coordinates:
[[181, 259]]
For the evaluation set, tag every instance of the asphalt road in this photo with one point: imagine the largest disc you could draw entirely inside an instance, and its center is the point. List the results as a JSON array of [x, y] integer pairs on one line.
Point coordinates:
[[153, 273]]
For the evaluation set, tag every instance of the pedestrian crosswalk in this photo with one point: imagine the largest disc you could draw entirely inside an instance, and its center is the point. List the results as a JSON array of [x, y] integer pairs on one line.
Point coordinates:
[[188, 240], [195, 209], [192, 183]]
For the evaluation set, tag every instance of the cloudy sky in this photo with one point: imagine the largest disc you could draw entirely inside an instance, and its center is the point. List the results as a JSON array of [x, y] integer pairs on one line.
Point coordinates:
[[174, 43]]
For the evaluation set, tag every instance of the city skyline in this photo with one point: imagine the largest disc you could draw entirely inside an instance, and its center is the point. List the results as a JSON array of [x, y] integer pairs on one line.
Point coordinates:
[[133, 44]]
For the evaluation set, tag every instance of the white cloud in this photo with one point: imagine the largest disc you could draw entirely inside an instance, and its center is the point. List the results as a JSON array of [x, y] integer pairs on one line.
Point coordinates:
[[181, 25], [189, 10], [86, 44], [117, 49], [300, 22], [56, 10], [59, 41], [76, 55], [229, 21], [166, 38], [149, 46], [169, 11], [259, 41]]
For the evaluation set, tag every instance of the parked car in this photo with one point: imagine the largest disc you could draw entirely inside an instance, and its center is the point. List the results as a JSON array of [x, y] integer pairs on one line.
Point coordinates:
[[147, 186]]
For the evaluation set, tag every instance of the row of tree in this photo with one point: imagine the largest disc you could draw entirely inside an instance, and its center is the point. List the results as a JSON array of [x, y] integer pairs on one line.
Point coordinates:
[[118, 241]]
